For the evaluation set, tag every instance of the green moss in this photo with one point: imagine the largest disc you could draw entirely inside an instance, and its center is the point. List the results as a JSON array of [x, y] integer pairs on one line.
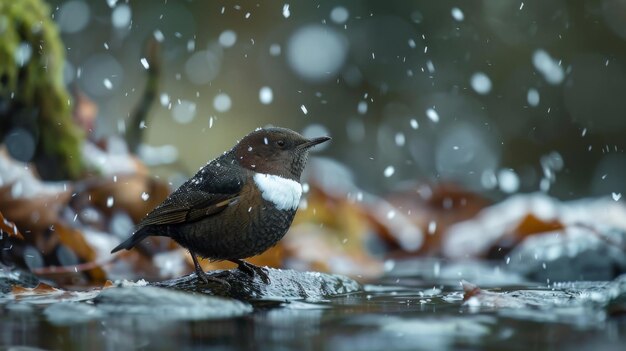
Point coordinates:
[[32, 93]]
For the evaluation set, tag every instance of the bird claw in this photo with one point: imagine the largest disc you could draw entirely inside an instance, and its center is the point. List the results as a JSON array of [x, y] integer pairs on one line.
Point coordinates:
[[205, 278], [253, 270]]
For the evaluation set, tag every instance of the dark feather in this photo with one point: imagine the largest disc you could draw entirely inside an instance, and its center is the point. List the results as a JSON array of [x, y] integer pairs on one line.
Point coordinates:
[[188, 207]]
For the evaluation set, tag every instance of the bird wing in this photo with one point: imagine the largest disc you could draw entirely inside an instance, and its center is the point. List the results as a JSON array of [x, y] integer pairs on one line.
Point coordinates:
[[189, 206], [215, 187]]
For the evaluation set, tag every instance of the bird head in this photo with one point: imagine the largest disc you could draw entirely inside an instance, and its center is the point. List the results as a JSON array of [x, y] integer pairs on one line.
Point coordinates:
[[277, 151]]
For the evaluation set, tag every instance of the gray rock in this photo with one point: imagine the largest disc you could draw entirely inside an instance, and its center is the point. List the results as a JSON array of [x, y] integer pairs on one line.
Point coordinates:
[[69, 313], [15, 276], [284, 285], [576, 253], [167, 304]]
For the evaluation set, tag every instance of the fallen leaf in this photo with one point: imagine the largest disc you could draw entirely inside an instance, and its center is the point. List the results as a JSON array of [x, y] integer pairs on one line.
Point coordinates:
[[32, 214], [46, 294], [133, 194], [40, 289], [9, 228]]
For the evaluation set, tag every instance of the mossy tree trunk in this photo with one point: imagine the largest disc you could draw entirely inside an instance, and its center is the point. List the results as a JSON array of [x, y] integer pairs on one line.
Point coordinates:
[[33, 98]]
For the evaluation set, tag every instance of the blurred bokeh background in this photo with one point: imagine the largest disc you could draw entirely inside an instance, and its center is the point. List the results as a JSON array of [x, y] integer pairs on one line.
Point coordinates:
[[497, 95]]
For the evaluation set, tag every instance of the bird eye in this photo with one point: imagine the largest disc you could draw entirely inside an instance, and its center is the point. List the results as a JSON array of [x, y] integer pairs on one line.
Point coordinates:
[[281, 143]]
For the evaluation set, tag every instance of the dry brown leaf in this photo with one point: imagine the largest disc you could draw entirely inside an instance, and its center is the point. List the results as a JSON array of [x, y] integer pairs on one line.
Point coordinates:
[[9, 228], [530, 224], [124, 193], [40, 289], [32, 214], [74, 240]]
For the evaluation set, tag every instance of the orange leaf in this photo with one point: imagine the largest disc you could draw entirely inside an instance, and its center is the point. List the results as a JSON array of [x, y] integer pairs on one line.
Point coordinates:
[[9, 227], [533, 225], [40, 289]]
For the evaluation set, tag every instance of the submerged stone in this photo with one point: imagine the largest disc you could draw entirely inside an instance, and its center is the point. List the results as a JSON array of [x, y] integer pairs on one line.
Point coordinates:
[[579, 303], [69, 313], [283, 285], [167, 304]]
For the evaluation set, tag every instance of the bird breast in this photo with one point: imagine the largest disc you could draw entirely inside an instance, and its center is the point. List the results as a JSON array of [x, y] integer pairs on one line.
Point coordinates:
[[282, 192]]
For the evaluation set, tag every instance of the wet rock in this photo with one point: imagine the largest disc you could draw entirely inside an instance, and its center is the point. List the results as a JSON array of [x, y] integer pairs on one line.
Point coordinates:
[[617, 303], [611, 294], [575, 253], [283, 285], [10, 277], [167, 304], [581, 303], [545, 239], [69, 313]]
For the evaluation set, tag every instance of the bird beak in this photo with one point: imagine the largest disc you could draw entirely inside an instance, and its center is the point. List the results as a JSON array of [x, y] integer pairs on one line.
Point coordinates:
[[312, 142]]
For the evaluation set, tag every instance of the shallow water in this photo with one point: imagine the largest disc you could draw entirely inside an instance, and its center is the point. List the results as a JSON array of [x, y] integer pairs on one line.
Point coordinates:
[[399, 312]]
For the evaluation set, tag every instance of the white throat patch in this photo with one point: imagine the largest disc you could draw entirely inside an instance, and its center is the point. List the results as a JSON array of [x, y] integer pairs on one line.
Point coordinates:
[[283, 193]]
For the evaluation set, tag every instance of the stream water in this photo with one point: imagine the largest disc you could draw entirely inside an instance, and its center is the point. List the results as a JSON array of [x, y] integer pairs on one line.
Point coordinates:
[[397, 312]]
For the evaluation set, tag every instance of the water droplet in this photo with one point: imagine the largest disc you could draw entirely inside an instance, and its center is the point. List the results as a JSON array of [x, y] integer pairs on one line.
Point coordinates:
[[158, 35], [339, 15], [184, 112], [121, 16], [222, 102], [227, 38], [362, 107], [481, 83], [550, 69], [286, 11], [508, 181], [400, 139], [457, 14], [20, 144], [389, 171], [22, 54], [317, 53], [432, 115], [266, 95], [432, 227], [532, 97], [164, 99], [275, 49], [73, 16]]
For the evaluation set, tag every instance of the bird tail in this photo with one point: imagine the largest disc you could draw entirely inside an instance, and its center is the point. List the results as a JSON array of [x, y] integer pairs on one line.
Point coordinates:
[[132, 241]]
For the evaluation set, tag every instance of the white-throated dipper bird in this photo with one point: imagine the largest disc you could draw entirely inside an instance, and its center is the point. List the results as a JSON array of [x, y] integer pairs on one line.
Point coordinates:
[[238, 205]]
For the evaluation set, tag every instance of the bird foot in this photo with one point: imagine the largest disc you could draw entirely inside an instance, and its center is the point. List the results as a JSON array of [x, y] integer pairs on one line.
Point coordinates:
[[205, 278], [253, 270], [201, 274]]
